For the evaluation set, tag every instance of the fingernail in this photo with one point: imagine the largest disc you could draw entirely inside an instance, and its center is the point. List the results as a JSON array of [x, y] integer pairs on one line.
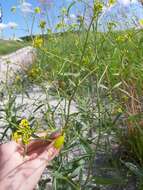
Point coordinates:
[[50, 152]]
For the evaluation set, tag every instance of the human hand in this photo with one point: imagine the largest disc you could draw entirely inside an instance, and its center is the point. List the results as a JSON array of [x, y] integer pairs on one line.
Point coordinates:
[[23, 173]]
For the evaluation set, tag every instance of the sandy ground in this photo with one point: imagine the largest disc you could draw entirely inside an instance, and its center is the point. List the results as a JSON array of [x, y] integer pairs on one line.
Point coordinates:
[[17, 61]]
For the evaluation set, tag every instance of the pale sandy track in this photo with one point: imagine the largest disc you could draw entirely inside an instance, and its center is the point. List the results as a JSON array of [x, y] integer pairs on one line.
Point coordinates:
[[17, 61]]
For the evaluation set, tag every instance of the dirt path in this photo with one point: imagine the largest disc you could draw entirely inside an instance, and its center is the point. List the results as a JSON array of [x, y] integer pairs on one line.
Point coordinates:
[[17, 61]]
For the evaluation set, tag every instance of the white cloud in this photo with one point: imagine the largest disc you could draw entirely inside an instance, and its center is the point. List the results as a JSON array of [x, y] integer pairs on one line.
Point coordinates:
[[26, 7], [12, 25], [45, 1], [73, 16], [127, 2], [71, 19], [2, 26]]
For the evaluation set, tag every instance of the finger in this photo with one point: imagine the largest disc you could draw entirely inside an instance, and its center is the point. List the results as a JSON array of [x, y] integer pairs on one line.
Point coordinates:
[[27, 174], [33, 169], [45, 153], [49, 154], [35, 144], [55, 134], [38, 148], [48, 135], [7, 150]]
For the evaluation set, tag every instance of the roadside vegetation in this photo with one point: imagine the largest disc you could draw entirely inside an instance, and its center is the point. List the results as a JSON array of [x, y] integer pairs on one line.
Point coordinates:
[[9, 46]]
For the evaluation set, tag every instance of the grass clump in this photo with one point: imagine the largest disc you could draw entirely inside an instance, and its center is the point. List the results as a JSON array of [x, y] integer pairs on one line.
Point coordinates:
[[9, 46]]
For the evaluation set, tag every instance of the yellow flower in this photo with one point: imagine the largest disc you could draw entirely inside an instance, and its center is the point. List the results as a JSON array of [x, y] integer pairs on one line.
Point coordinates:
[[125, 98], [59, 141], [34, 73], [26, 137], [112, 2], [24, 123], [23, 132], [13, 9], [16, 136], [64, 11], [121, 38], [38, 42], [42, 24], [119, 110], [141, 22], [17, 78], [98, 7], [37, 10]]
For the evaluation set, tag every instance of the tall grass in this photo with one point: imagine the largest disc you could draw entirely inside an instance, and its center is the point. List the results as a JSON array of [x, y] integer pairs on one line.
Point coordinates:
[[10, 46]]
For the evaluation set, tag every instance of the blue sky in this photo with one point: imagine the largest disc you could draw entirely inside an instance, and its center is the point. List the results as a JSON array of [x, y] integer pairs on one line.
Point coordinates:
[[17, 18]]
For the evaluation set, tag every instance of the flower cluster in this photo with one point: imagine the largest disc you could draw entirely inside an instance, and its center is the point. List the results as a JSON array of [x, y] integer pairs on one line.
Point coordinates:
[[23, 132], [33, 73], [97, 9], [37, 10], [141, 22], [112, 2], [123, 38], [42, 24], [17, 78], [38, 42]]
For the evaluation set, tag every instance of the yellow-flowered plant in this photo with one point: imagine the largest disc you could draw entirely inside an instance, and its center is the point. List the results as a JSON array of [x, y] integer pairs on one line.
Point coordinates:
[[17, 78], [38, 42], [23, 132], [13, 9], [64, 11], [141, 22], [119, 110], [97, 9], [16, 136], [42, 24], [124, 38], [37, 10], [33, 73], [112, 2]]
